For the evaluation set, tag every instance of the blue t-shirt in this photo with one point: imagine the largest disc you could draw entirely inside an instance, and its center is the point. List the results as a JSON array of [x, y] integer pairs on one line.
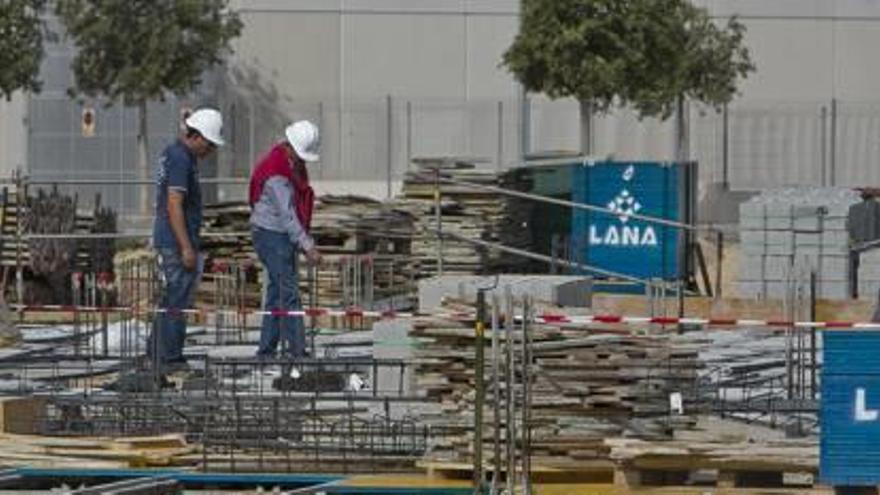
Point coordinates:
[[177, 171]]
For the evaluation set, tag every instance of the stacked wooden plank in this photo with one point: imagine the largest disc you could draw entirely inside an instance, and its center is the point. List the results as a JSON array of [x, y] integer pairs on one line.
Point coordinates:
[[717, 453], [94, 453], [466, 211], [364, 243], [586, 387]]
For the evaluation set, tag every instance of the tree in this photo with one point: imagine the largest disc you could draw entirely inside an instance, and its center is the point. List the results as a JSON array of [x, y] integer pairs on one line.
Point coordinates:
[[139, 50], [650, 55], [21, 45]]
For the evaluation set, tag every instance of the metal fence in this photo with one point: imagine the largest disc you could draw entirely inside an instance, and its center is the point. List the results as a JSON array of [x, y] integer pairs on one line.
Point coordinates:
[[368, 144]]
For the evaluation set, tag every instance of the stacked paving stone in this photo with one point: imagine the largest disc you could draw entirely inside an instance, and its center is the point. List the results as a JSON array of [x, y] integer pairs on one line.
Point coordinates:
[[787, 232]]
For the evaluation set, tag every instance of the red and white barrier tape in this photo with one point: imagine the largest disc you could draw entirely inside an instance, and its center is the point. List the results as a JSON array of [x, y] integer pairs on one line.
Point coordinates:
[[308, 312], [705, 322], [546, 318]]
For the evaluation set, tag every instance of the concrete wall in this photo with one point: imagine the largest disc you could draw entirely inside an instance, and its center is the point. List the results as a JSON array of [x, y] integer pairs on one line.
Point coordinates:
[[13, 134], [391, 79], [431, 53]]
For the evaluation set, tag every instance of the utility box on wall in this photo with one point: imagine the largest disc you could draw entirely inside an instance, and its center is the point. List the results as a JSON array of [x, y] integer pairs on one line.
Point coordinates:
[[850, 408], [621, 243]]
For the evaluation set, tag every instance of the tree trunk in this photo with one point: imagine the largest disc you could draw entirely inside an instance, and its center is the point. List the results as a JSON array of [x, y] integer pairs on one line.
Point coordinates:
[[682, 134], [586, 115], [143, 163]]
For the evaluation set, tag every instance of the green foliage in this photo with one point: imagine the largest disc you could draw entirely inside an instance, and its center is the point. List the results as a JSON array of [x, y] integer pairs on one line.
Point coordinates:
[[642, 53], [21, 45], [136, 50]]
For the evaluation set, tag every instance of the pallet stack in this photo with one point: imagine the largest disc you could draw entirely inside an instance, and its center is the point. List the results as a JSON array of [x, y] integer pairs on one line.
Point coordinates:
[[466, 212], [586, 387]]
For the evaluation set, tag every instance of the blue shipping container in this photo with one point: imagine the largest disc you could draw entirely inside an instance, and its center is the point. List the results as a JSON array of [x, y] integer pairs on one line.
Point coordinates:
[[621, 243], [850, 409]]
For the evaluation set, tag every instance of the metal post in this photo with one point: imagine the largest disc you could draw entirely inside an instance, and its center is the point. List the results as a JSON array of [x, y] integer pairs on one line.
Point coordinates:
[[496, 401], [833, 144], [439, 221], [499, 163], [322, 129], [509, 392], [525, 136], [813, 385], [389, 143], [725, 148], [21, 198], [408, 134], [479, 327], [252, 134], [719, 260], [823, 142], [527, 398]]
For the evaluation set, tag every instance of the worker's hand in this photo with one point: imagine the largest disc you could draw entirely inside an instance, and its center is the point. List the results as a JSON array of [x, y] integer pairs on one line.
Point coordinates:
[[313, 256], [189, 258]]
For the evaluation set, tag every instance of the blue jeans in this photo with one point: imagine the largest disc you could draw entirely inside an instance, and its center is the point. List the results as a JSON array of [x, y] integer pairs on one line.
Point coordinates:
[[179, 292], [279, 257]]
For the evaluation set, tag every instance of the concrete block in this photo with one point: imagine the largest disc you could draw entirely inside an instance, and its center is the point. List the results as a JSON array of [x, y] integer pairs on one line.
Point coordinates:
[[777, 267], [563, 290], [780, 237], [872, 256], [780, 249], [835, 223], [837, 210], [753, 249], [750, 209], [775, 223], [835, 238], [869, 269], [807, 217], [803, 239], [834, 267], [774, 210], [822, 249], [807, 223], [753, 223], [752, 237]]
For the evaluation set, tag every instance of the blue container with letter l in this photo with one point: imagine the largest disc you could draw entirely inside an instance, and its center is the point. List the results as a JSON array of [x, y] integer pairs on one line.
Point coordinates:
[[622, 243], [850, 409]]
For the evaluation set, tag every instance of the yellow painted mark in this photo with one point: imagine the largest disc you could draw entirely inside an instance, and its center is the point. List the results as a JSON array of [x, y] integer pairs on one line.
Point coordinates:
[[403, 481]]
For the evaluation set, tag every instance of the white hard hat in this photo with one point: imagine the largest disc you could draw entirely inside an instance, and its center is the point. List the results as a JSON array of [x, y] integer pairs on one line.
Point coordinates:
[[304, 138], [209, 123]]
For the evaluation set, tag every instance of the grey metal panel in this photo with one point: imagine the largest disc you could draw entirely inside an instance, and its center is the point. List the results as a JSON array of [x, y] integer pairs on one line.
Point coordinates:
[[409, 56], [13, 140], [794, 60], [286, 56], [503, 7], [856, 72], [488, 37], [410, 6], [775, 8]]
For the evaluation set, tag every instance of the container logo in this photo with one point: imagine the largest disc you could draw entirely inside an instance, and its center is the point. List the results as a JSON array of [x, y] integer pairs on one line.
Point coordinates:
[[624, 205]]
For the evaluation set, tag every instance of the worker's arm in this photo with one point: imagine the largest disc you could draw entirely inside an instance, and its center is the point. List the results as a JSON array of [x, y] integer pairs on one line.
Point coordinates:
[[282, 197], [178, 226]]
